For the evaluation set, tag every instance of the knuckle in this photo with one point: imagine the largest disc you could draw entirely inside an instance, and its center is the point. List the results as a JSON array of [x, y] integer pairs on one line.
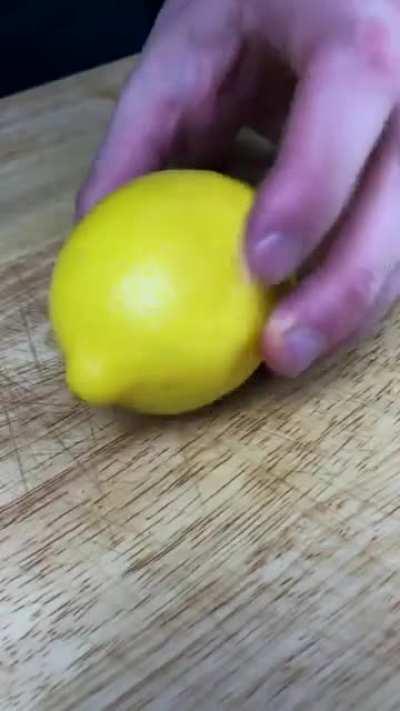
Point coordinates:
[[374, 44], [359, 294], [346, 303]]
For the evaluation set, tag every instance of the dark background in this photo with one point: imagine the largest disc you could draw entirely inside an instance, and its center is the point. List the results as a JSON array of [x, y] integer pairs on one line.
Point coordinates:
[[42, 40]]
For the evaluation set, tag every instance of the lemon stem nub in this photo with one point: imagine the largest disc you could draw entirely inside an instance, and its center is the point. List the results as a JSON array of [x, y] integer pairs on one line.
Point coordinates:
[[93, 380]]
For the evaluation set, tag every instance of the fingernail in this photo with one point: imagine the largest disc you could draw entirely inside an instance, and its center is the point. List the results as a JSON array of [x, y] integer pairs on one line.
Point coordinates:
[[275, 257], [300, 348]]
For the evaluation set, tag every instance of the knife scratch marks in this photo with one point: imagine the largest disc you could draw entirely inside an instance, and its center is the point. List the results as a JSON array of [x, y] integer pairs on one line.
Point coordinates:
[[28, 333], [16, 451]]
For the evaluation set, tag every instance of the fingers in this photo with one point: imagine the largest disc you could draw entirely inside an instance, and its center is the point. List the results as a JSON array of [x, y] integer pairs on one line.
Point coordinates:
[[140, 139], [338, 115], [359, 279], [178, 102], [167, 113], [147, 132]]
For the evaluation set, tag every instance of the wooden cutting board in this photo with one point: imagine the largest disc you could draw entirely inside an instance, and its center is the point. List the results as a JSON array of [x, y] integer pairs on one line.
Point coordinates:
[[244, 557]]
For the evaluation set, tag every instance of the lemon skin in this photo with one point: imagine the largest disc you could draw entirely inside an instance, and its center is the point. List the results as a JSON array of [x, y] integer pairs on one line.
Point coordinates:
[[151, 301]]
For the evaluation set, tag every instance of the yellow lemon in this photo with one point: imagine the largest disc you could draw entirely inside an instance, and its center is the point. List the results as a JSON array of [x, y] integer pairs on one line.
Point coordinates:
[[150, 300]]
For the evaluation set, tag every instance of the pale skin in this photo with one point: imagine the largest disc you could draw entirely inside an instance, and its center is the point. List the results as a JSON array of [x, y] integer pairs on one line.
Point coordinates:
[[331, 68]]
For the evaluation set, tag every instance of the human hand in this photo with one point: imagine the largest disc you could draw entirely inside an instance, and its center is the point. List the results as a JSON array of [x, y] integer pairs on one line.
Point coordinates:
[[211, 67]]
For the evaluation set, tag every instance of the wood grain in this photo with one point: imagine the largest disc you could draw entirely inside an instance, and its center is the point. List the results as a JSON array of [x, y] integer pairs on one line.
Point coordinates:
[[244, 557]]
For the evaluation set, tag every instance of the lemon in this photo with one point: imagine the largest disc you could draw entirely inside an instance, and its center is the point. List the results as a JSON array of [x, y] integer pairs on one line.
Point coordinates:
[[151, 302]]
